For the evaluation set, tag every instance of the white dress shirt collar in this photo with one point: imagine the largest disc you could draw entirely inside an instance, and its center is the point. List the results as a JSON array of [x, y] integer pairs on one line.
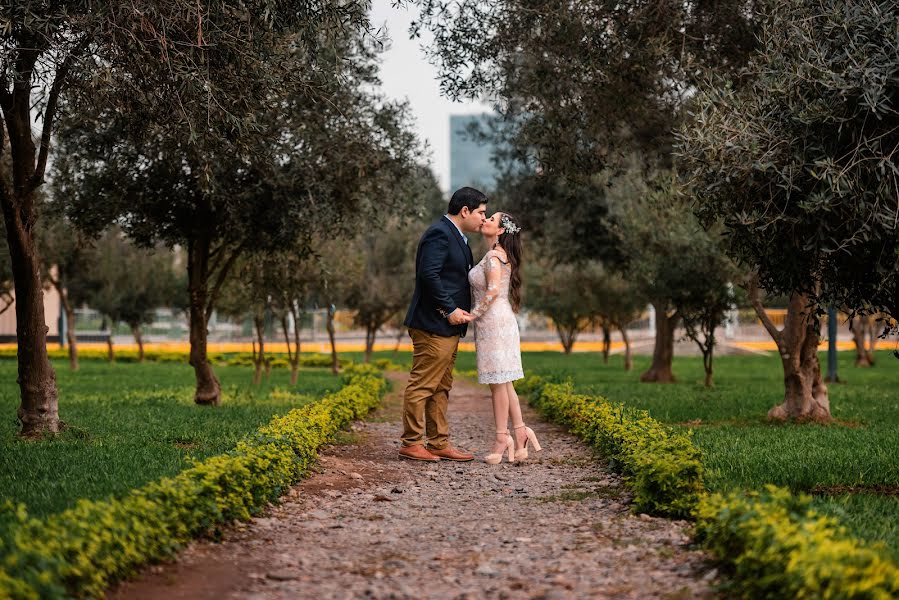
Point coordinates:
[[447, 217]]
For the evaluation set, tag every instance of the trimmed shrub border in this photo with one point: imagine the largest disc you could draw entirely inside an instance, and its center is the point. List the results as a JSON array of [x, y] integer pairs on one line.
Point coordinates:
[[126, 355], [82, 550], [776, 546], [770, 541], [662, 467]]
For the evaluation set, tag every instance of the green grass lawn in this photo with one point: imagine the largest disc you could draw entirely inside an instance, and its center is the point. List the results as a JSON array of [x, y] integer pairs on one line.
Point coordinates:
[[130, 424], [742, 450]]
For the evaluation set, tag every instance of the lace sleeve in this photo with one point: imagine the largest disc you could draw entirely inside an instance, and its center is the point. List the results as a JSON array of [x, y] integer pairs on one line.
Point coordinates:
[[493, 271]]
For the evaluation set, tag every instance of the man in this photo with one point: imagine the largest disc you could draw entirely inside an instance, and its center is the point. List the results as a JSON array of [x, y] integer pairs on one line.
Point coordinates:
[[436, 321]]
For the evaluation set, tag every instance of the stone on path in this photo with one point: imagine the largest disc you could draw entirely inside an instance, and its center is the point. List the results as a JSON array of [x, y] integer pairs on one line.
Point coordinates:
[[367, 524]]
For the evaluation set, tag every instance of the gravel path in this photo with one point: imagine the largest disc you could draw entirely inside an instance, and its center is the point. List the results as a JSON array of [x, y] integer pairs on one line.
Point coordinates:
[[368, 525]]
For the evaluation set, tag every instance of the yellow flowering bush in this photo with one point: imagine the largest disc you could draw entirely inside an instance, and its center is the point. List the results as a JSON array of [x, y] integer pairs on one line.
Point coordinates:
[[772, 543], [662, 466], [81, 551], [779, 547]]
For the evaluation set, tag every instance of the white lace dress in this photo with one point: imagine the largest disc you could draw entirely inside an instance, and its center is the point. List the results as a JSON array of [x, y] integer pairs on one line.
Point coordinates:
[[497, 340]]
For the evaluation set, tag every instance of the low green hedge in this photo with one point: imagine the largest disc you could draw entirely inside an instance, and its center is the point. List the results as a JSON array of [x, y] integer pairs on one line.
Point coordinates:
[[771, 542], [277, 361], [128, 355], [776, 546], [81, 551], [661, 466]]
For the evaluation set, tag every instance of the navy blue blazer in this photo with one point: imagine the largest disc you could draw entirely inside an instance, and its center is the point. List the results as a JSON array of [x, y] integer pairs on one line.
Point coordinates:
[[442, 263]]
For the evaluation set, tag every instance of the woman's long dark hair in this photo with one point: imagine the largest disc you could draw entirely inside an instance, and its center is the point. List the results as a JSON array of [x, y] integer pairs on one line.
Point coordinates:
[[511, 243]]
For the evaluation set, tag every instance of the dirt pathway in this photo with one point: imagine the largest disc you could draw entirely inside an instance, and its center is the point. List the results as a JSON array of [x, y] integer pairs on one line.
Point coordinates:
[[369, 525]]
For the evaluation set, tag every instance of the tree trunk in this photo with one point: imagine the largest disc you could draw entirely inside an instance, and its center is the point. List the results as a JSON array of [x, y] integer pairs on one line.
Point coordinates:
[[209, 391], [567, 335], [293, 356], [370, 336], [139, 340], [606, 344], [399, 339], [707, 356], [259, 358], [805, 394], [863, 356], [38, 410], [872, 337], [628, 361], [71, 338], [335, 366], [663, 352], [110, 352]]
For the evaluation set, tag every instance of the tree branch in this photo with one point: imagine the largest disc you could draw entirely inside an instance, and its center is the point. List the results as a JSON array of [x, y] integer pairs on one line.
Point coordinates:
[[286, 337], [50, 114], [8, 300], [220, 280], [753, 291]]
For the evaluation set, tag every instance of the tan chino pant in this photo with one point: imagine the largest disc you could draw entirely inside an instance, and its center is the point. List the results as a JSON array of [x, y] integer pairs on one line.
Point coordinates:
[[427, 393]]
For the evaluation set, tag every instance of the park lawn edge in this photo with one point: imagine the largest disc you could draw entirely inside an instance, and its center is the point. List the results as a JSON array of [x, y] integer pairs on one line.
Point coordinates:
[[231, 359], [83, 550], [770, 541]]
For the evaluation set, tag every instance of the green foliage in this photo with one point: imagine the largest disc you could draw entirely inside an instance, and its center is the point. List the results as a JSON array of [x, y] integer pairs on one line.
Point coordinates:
[[742, 451], [126, 283], [565, 294], [778, 546], [660, 464], [233, 359], [388, 275], [81, 551], [131, 424], [575, 81], [668, 256], [801, 165]]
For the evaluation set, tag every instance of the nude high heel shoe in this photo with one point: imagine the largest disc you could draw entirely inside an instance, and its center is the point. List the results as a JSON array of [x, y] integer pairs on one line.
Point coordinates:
[[522, 453], [496, 458]]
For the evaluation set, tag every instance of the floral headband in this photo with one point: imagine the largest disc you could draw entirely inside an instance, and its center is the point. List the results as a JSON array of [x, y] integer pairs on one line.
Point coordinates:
[[507, 224]]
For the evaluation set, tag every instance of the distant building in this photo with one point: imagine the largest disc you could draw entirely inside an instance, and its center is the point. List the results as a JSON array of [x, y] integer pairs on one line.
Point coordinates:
[[470, 162]]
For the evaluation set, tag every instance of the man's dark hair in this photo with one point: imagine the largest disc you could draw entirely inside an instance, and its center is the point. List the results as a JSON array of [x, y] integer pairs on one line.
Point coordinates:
[[466, 196]]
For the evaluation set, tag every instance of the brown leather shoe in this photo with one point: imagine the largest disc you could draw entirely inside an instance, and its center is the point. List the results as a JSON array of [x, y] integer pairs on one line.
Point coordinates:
[[417, 452], [450, 453]]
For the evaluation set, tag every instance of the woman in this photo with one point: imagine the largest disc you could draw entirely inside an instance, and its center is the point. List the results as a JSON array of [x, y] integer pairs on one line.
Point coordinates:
[[496, 290]]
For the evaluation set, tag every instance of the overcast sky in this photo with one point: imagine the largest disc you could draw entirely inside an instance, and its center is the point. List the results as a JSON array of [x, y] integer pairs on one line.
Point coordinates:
[[406, 74]]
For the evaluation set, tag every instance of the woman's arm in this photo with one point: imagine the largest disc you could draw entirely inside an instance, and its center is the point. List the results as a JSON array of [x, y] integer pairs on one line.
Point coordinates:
[[493, 271]]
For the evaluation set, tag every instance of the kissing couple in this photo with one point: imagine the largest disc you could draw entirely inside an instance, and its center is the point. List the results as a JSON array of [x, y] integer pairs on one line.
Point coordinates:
[[447, 284]]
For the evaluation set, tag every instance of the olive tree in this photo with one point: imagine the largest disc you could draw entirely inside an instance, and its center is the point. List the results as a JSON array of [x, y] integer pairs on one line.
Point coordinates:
[[201, 72], [249, 294], [619, 302], [313, 170], [800, 167], [126, 284], [671, 259], [564, 292], [65, 264], [575, 82]]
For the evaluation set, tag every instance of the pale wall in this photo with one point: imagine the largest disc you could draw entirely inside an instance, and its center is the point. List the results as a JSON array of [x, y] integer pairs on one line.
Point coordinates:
[[51, 314]]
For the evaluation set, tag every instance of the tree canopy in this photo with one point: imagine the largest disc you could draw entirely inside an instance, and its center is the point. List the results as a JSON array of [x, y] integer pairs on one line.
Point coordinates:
[[800, 165], [575, 81], [198, 73], [316, 169]]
